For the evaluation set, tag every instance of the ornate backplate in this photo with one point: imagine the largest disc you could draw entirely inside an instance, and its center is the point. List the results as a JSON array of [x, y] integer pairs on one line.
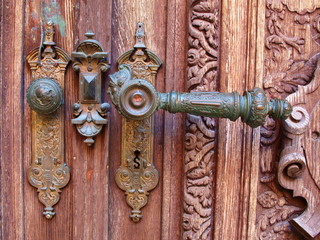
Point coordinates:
[[90, 114], [137, 175], [48, 171]]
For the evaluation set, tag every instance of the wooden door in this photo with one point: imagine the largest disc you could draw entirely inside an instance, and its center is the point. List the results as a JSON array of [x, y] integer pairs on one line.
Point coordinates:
[[218, 179]]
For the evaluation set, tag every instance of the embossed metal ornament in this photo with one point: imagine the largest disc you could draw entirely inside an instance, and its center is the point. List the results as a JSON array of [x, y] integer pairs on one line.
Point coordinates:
[[90, 114], [44, 95], [137, 175], [48, 171], [253, 107]]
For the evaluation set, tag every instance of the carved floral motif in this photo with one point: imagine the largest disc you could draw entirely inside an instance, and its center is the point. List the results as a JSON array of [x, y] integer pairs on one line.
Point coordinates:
[[273, 222], [200, 133]]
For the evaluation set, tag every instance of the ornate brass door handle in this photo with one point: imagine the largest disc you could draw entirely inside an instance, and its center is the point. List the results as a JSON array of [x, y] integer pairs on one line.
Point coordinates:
[[133, 94], [137, 99], [44, 95]]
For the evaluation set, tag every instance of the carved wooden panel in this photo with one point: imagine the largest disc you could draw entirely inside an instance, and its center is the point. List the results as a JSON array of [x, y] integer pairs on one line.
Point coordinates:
[[200, 131], [291, 43], [299, 168]]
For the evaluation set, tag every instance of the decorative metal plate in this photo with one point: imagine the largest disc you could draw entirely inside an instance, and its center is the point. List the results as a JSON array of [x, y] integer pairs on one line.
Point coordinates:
[[90, 61], [137, 174], [48, 171]]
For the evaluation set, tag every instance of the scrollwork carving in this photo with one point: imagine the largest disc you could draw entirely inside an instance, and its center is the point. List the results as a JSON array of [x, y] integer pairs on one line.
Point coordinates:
[[200, 132], [299, 164]]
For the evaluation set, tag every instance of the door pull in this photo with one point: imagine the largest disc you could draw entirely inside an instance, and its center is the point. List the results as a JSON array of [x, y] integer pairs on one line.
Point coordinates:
[[133, 93], [90, 114], [48, 171]]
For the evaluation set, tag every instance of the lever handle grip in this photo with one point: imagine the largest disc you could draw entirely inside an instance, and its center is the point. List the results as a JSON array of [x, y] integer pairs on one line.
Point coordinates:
[[137, 99], [253, 107]]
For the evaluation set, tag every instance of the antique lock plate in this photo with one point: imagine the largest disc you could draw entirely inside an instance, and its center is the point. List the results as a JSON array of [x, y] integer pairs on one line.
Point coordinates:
[[48, 171], [137, 174]]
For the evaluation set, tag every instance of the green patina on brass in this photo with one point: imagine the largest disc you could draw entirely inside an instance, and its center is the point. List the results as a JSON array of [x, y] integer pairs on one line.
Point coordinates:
[[137, 99]]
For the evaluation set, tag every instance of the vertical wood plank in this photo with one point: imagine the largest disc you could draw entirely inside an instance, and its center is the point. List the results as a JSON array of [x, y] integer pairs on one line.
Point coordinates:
[[257, 63], [90, 170], [11, 83], [175, 75], [235, 140]]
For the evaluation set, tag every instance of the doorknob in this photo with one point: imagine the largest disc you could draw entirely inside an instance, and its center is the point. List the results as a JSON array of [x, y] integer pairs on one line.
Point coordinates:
[[44, 95], [133, 94], [137, 99]]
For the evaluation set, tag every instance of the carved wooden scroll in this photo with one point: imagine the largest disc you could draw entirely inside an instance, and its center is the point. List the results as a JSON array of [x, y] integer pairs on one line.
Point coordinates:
[[299, 166], [200, 131], [292, 39], [48, 171]]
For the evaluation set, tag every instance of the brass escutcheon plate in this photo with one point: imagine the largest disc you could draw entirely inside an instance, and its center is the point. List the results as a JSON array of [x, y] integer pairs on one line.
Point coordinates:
[[137, 175]]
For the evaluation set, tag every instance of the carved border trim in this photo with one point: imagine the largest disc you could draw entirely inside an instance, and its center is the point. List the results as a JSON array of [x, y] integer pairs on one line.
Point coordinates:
[[200, 131]]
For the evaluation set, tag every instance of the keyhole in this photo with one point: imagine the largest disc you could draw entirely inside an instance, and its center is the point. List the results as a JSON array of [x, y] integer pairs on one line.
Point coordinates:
[[136, 160]]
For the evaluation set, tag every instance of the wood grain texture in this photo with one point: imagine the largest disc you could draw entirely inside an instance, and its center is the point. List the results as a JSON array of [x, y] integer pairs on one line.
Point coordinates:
[[11, 157], [236, 148], [174, 124]]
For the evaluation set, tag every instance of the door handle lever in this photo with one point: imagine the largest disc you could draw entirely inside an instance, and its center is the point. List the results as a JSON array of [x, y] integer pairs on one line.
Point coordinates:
[[137, 99]]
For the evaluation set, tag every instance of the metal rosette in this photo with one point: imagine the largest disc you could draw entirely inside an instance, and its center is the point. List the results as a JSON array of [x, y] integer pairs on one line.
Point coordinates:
[[44, 95], [138, 99]]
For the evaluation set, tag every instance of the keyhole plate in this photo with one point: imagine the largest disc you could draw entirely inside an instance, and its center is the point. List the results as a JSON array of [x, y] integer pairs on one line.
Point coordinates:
[[137, 174]]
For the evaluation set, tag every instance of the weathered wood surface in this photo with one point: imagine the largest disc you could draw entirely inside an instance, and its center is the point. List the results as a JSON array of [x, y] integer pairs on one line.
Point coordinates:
[[11, 123], [237, 163]]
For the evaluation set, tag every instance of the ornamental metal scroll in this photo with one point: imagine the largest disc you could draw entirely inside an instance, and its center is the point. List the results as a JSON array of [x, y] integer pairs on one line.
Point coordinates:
[[48, 171], [137, 174]]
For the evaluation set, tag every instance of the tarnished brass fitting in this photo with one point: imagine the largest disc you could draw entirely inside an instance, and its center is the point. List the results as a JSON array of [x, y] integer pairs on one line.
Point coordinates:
[[137, 99]]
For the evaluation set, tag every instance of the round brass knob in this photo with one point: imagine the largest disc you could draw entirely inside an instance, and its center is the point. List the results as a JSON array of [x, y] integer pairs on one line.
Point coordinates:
[[44, 95]]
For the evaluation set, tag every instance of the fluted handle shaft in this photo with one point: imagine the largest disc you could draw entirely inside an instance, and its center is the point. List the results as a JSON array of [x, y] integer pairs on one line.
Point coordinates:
[[253, 107]]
